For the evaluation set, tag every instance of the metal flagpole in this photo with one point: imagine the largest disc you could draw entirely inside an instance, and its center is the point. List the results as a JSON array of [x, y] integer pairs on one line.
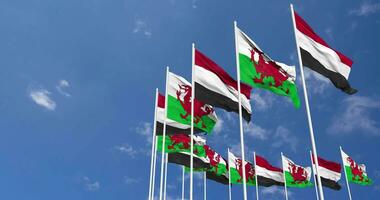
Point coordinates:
[[164, 134], [192, 121], [166, 175], [283, 173], [183, 182], [229, 175], [154, 164], [345, 173], [240, 112], [314, 148], [151, 185], [257, 182], [204, 186], [315, 183]]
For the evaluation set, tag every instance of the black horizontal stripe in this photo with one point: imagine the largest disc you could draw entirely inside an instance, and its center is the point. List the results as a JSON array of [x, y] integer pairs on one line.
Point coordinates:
[[171, 130], [184, 159], [329, 183], [220, 179], [220, 101], [337, 79], [267, 182]]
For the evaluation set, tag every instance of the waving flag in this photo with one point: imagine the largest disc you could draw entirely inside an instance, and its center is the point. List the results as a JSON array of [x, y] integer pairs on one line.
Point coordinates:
[[329, 172], [355, 173], [258, 70], [179, 105], [215, 87], [268, 175], [319, 56], [236, 169], [296, 175]]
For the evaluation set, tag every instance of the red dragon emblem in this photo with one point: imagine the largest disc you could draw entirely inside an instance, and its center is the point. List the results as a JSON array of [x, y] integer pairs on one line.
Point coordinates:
[[298, 173], [182, 141], [200, 109], [357, 170], [249, 171], [268, 68], [213, 157]]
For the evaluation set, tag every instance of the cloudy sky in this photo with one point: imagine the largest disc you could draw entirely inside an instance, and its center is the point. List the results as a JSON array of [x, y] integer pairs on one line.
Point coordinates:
[[77, 86]]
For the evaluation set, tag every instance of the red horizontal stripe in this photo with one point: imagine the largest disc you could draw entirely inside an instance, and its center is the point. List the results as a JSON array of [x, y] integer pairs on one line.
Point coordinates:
[[304, 28], [330, 165], [161, 100], [260, 161], [203, 61]]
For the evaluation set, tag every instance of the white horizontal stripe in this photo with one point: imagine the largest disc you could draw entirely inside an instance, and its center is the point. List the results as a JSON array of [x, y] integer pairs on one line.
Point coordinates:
[[326, 56], [212, 82], [328, 174], [169, 122], [277, 176]]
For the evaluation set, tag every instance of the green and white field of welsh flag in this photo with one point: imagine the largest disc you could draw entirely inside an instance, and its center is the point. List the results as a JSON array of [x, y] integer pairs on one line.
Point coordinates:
[[295, 175], [260, 71], [235, 166], [355, 173], [179, 105]]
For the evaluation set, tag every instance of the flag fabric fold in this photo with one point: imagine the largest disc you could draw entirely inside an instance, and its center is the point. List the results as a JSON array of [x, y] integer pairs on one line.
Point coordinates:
[[260, 71], [355, 173], [235, 165], [268, 175], [330, 173], [216, 87], [319, 56]]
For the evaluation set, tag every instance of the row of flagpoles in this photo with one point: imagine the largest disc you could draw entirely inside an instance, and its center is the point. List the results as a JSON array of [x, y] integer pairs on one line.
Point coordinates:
[[340, 82]]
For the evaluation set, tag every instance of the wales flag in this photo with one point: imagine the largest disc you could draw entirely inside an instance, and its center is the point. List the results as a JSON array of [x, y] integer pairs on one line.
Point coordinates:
[[236, 170], [260, 71], [355, 173], [295, 175], [179, 105]]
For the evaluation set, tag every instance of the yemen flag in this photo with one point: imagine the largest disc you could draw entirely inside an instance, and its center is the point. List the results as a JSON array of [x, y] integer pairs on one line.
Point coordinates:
[[172, 127], [268, 175], [179, 105], [329, 172], [319, 56], [236, 170], [215, 87], [258, 70], [295, 175], [355, 173]]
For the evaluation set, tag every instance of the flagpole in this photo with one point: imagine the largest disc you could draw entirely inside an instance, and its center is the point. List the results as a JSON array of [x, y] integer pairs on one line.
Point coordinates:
[[240, 113], [166, 174], [315, 183], [164, 134], [257, 182], [314, 148], [345, 173], [183, 182], [283, 173], [204, 186], [153, 147], [192, 121], [154, 164], [229, 175]]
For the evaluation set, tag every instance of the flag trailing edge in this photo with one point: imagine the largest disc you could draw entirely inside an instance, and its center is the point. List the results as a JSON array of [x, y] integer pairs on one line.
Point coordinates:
[[355, 173], [179, 105], [258, 70], [296, 175], [235, 166], [268, 175], [216, 87], [330, 173], [319, 56]]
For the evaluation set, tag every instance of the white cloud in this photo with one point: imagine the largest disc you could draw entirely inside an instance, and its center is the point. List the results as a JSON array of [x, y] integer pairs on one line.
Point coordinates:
[[218, 126], [145, 129], [142, 28], [355, 115], [62, 84], [316, 83], [91, 185], [329, 33], [127, 149], [41, 97], [366, 8], [284, 137], [262, 100], [130, 180], [194, 4], [255, 131], [274, 191]]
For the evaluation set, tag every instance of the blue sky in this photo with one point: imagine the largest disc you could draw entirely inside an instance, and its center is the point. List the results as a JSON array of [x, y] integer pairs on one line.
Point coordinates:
[[77, 85]]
